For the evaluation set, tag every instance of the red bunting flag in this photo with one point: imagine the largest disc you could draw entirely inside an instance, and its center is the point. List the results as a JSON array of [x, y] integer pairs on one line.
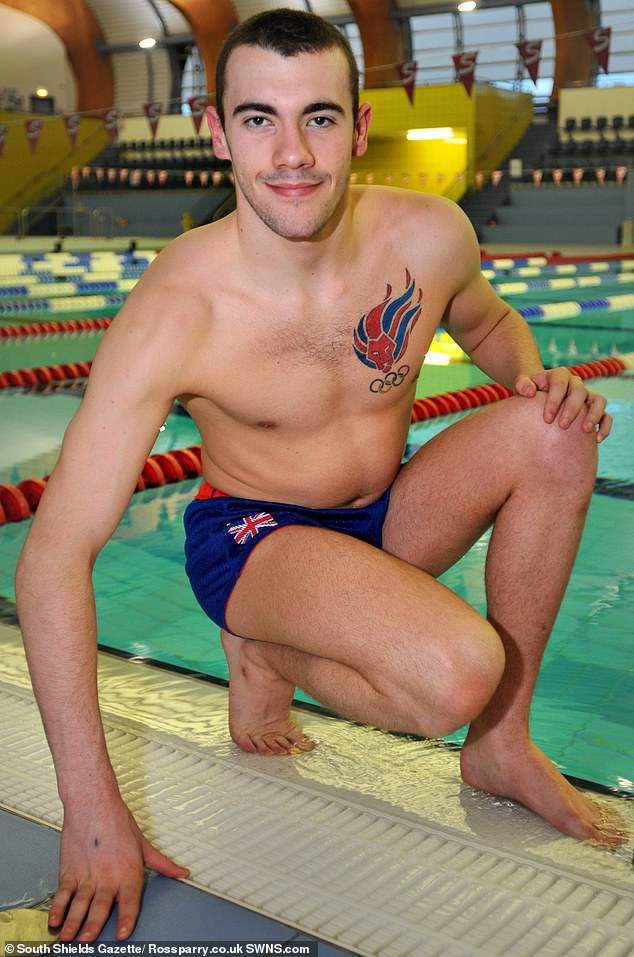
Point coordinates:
[[198, 106], [4, 129], [496, 177], [538, 175], [71, 122], [599, 40], [153, 115], [33, 129], [621, 173], [577, 175], [600, 175], [557, 175], [407, 76], [110, 119], [465, 64], [530, 52]]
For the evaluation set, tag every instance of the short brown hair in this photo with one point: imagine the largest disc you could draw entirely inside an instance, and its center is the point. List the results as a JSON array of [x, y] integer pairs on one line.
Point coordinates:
[[287, 32]]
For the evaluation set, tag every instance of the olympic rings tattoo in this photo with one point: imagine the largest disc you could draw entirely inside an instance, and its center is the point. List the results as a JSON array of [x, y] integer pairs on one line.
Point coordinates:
[[391, 380]]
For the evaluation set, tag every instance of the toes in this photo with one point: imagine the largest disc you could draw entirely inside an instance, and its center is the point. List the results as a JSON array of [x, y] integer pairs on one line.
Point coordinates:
[[273, 742]]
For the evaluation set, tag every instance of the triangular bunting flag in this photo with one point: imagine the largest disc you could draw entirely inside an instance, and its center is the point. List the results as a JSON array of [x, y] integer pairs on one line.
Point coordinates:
[[198, 105], [599, 40], [33, 129], [153, 114], [465, 64], [530, 52], [110, 120], [407, 76]]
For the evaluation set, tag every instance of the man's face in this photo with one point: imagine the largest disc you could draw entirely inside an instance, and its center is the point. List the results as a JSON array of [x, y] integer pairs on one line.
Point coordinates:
[[290, 134]]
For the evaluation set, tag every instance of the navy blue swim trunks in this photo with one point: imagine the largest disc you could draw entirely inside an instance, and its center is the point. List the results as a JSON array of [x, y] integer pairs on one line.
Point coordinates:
[[221, 533]]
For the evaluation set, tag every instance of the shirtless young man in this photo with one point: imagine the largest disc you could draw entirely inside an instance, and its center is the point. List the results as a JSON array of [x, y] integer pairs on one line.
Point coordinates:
[[267, 327]]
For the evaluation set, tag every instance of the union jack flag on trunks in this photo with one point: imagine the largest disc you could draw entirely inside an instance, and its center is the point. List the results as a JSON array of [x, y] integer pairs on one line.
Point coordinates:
[[250, 526]]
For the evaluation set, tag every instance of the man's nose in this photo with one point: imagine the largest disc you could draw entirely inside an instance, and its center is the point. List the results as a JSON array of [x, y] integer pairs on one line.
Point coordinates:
[[292, 148]]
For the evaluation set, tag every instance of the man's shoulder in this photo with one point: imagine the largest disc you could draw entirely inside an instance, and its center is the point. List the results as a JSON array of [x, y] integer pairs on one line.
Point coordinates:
[[405, 206], [192, 249]]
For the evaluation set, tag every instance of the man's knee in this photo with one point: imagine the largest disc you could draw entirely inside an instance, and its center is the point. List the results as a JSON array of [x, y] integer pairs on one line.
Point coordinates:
[[455, 685], [556, 453]]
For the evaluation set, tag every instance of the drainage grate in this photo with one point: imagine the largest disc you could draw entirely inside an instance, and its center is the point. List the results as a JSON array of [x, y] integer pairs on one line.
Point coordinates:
[[368, 879]]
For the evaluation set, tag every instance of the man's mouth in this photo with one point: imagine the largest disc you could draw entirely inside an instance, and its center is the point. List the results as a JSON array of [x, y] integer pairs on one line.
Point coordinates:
[[293, 190]]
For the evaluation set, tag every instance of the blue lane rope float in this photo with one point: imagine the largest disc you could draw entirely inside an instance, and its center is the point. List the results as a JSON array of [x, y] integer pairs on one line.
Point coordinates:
[[611, 267], [60, 289], [63, 304], [513, 288], [571, 309]]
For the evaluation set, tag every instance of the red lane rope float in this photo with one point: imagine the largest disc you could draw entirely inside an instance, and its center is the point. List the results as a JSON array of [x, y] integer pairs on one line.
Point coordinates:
[[433, 406], [54, 326], [43, 375], [19, 501]]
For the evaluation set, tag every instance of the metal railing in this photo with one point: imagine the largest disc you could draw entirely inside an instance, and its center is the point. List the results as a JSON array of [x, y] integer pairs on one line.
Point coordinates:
[[98, 223]]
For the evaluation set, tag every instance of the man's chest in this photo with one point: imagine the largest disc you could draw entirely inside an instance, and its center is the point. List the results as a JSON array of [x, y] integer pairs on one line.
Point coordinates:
[[378, 331]]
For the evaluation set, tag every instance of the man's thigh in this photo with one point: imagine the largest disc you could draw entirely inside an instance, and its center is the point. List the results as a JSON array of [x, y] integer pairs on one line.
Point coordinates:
[[330, 595], [450, 491]]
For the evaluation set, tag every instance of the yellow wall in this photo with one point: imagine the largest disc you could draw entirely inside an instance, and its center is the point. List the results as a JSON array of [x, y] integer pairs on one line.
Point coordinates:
[[491, 120], [428, 166], [27, 178], [502, 118]]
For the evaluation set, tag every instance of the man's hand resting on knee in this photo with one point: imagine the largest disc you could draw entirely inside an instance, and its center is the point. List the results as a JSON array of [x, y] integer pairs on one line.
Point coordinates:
[[567, 399]]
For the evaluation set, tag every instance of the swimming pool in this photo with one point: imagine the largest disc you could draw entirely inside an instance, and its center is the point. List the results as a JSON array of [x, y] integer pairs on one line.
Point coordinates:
[[584, 705]]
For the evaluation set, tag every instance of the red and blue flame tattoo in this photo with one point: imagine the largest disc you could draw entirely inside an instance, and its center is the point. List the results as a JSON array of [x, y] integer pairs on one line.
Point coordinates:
[[382, 335]]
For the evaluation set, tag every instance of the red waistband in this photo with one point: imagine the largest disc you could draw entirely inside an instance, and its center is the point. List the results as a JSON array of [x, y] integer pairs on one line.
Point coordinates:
[[206, 491]]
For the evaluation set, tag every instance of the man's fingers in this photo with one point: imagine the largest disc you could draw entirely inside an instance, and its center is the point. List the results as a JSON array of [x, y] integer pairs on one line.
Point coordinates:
[[605, 427], [161, 863], [128, 906], [76, 913], [98, 914], [60, 902], [554, 399]]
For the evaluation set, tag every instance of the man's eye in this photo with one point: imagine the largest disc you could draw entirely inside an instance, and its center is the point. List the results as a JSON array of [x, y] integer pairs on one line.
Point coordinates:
[[256, 121], [321, 121]]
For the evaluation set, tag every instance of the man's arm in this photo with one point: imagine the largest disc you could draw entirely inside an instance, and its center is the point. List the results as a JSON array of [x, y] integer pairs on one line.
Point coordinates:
[[103, 852], [501, 343]]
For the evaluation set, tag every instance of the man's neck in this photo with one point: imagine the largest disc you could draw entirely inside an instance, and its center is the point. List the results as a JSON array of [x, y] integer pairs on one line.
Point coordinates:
[[298, 261]]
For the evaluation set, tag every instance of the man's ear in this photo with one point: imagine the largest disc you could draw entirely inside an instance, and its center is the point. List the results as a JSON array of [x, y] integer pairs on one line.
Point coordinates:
[[218, 139], [360, 138]]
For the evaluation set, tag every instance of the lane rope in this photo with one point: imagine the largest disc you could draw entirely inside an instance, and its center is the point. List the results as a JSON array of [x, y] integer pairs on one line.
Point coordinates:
[[19, 502]]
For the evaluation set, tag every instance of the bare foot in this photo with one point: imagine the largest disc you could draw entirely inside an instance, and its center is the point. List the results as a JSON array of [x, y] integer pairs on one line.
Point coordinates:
[[260, 702], [525, 774]]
